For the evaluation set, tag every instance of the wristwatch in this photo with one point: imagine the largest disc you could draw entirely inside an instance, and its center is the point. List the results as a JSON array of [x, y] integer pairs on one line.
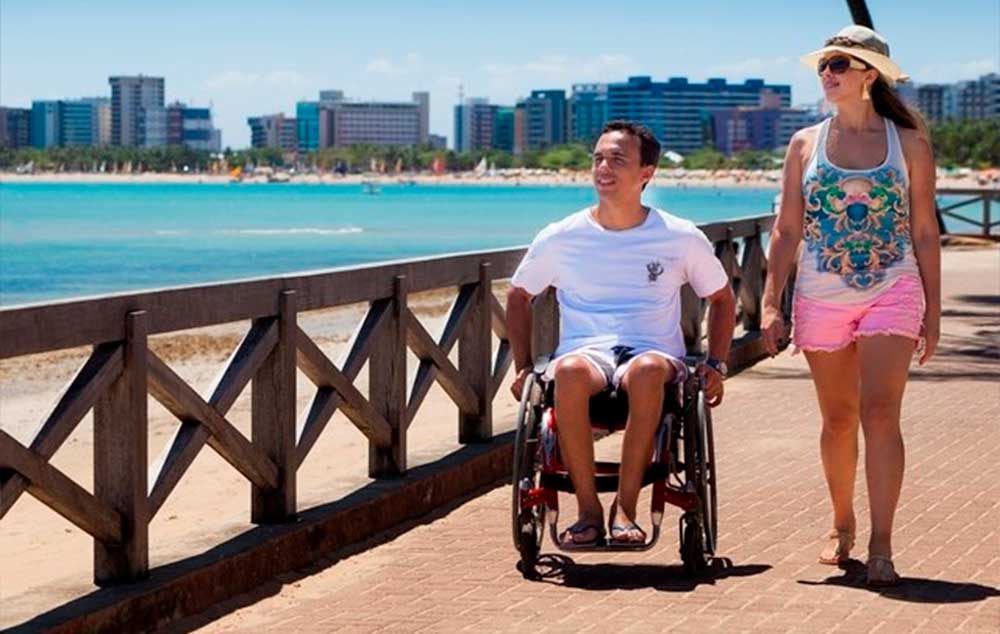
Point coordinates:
[[718, 366]]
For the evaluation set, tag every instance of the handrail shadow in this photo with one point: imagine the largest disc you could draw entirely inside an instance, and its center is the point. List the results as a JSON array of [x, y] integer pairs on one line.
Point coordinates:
[[103, 598]]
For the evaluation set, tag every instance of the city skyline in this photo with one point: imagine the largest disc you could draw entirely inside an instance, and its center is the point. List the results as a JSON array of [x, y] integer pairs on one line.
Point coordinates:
[[267, 64]]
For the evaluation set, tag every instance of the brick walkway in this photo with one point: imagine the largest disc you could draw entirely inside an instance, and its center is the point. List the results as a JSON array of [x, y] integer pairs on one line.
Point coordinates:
[[455, 572]]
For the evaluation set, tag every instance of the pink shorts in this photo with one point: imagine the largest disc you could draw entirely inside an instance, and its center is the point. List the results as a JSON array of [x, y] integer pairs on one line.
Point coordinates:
[[826, 326]]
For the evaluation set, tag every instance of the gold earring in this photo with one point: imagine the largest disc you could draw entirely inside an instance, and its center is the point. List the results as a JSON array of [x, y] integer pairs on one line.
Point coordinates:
[[866, 94]]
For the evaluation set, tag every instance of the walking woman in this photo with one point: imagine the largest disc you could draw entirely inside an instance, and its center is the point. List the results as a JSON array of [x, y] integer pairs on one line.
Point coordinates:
[[858, 190]]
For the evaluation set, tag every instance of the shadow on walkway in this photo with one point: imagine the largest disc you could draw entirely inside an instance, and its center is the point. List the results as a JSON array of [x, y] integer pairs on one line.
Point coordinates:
[[561, 570], [912, 589]]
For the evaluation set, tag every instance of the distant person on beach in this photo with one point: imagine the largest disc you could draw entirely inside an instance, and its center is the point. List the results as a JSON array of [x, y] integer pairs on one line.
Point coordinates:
[[858, 190], [618, 268]]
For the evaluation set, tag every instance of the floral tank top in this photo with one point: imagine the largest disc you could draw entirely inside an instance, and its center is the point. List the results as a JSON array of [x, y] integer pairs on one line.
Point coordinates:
[[856, 228]]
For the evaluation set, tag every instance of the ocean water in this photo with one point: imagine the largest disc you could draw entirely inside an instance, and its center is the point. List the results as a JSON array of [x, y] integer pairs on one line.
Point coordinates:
[[60, 241]]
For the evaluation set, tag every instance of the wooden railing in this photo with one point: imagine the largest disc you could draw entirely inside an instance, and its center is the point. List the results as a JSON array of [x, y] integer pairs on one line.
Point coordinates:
[[982, 196], [122, 370]]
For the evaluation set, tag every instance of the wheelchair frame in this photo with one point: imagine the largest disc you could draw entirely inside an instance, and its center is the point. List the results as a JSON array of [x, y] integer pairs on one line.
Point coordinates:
[[682, 471]]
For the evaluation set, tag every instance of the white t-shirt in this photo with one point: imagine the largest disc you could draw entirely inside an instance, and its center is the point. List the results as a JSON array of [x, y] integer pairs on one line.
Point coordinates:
[[620, 288]]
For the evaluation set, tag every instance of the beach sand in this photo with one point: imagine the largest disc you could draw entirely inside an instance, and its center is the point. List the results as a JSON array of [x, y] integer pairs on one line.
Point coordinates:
[[663, 178], [48, 561]]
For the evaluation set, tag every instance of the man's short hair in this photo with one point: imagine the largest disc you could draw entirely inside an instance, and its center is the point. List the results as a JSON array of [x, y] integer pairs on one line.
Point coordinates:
[[649, 147]]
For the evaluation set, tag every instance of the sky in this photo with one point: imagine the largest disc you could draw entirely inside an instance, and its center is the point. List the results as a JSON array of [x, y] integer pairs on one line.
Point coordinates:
[[250, 58]]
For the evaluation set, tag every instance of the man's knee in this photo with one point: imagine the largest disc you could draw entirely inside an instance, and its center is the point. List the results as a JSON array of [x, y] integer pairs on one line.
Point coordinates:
[[648, 370], [574, 373]]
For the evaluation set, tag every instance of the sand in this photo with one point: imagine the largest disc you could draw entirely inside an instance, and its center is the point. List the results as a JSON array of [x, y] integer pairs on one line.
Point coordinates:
[[663, 178], [47, 561]]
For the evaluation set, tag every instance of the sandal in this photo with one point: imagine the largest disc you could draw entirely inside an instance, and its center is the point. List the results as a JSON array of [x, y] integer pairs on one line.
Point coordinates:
[[568, 538], [619, 532], [881, 572], [839, 552]]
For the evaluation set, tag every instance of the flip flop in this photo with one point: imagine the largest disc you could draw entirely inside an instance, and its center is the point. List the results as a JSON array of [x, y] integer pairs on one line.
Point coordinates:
[[617, 530], [568, 541]]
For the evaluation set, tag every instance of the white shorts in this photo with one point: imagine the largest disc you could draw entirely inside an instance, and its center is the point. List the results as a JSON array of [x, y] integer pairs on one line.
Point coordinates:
[[613, 362]]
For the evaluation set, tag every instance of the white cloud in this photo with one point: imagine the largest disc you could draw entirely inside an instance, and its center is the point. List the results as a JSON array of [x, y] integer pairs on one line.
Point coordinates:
[[947, 72], [754, 66], [409, 63], [505, 81]]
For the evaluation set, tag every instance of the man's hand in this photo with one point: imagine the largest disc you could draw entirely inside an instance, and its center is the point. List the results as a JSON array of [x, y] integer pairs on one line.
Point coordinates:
[[713, 384], [518, 385]]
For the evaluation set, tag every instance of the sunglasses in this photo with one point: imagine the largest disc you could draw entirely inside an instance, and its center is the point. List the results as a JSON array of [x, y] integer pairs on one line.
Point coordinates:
[[839, 64]]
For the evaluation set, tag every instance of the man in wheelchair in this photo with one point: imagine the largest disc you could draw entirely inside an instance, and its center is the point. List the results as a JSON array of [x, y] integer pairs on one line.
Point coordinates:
[[618, 268]]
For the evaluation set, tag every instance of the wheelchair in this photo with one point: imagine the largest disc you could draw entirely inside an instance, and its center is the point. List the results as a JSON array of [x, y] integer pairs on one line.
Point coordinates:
[[682, 470]]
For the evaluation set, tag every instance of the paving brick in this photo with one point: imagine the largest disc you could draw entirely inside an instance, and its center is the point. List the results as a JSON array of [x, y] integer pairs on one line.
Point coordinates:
[[457, 573]]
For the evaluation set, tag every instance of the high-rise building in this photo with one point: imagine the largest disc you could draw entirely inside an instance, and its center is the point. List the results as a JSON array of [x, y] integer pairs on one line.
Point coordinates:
[[474, 124], [423, 101], [544, 118], [131, 124], [308, 115], [588, 112], [937, 101], [383, 123], [763, 127], [678, 111], [45, 124], [192, 128], [101, 119], [77, 123], [503, 129], [274, 131], [978, 98], [437, 141], [969, 99], [15, 127]]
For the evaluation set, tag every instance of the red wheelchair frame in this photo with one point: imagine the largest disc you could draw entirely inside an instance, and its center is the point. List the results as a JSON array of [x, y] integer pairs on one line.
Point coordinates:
[[682, 471]]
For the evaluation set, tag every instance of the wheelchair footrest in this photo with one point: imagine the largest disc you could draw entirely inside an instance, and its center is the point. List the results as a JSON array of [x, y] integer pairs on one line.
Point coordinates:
[[606, 478]]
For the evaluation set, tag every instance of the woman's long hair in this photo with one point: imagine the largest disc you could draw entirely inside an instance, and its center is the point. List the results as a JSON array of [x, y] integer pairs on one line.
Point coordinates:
[[888, 104]]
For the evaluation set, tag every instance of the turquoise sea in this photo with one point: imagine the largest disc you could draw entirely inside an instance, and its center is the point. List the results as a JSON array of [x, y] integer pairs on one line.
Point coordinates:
[[64, 240]]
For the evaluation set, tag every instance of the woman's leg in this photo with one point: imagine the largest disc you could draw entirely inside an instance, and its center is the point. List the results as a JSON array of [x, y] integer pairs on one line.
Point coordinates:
[[836, 377], [885, 364]]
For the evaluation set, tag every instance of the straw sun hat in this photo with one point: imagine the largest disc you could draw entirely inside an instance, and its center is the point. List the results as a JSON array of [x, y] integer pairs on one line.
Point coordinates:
[[864, 44]]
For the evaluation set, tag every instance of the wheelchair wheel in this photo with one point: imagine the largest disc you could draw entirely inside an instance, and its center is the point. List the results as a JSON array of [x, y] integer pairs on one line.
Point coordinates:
[[710, 500], [699, 529], [527, 523], [693, 545]]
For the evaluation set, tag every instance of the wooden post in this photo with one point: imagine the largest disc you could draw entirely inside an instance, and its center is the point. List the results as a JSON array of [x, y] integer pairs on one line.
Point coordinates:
[[544, 325], [987, 198], [475, 362], [387, 387], [120, 430], [754, 271], [273, 419]]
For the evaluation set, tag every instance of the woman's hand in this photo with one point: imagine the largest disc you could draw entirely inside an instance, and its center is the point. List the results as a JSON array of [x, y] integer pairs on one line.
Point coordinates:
[[930, 333], [772, 324]]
